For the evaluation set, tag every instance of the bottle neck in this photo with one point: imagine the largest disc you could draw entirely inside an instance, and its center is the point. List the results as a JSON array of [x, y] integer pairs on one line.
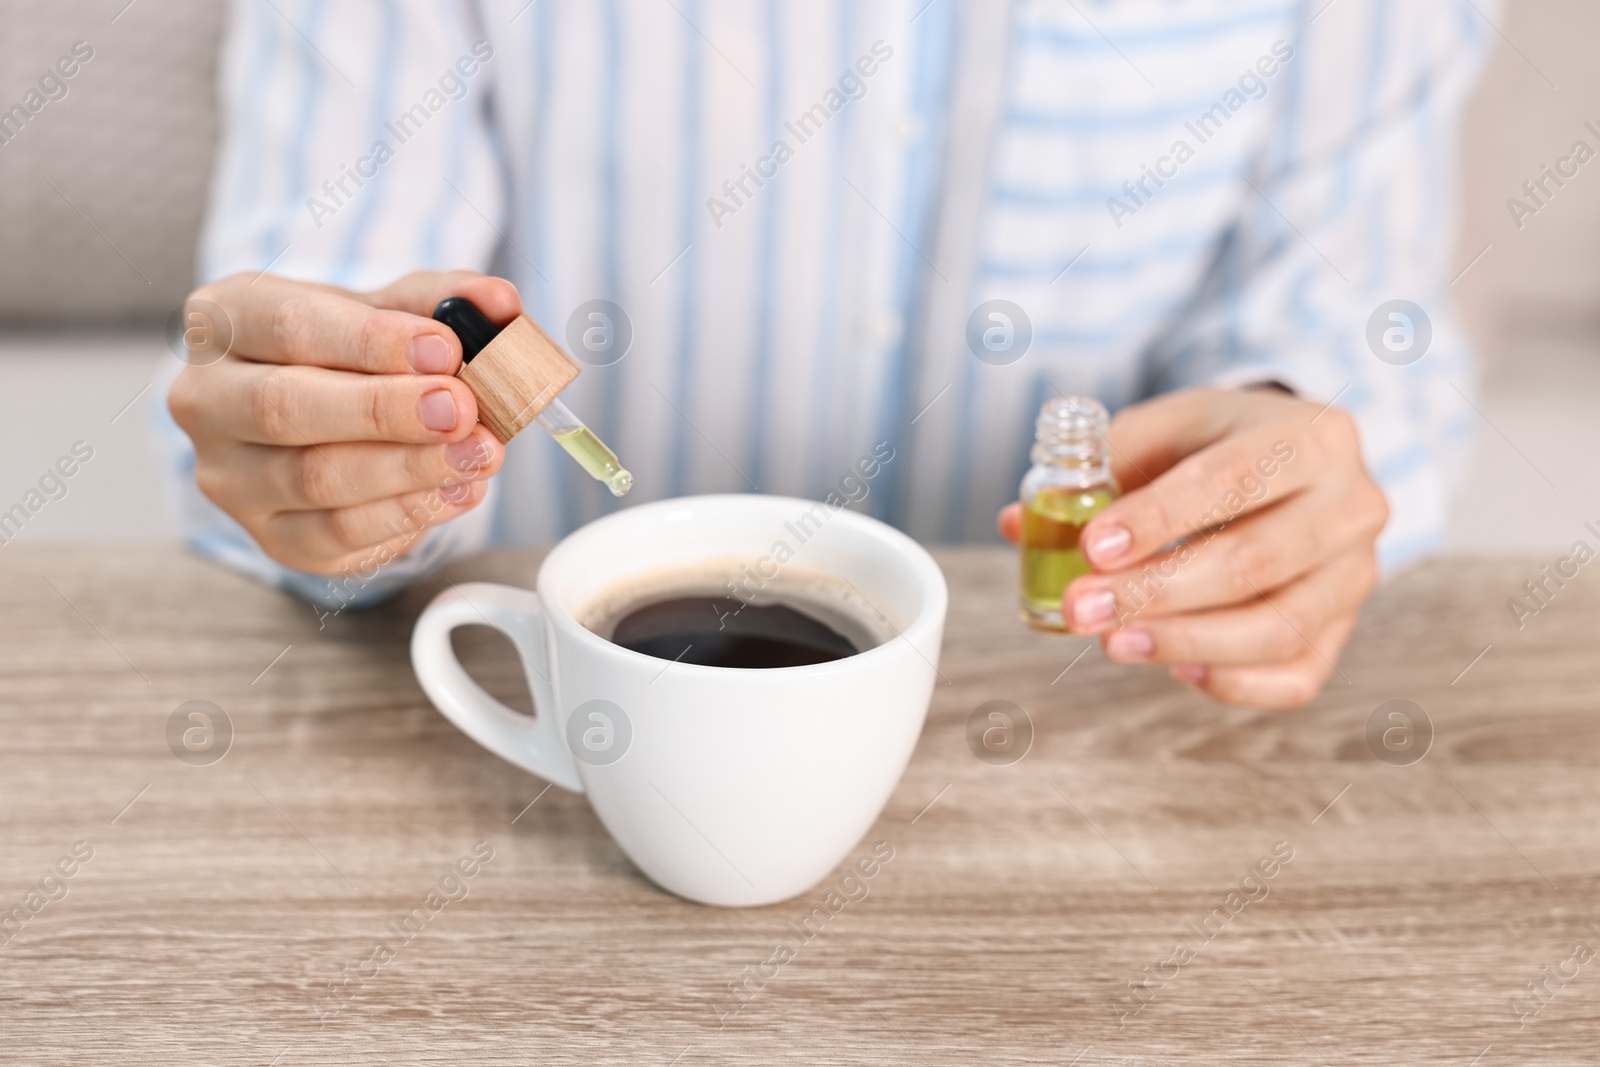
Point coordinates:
[[1093, 466], [1070, 433]]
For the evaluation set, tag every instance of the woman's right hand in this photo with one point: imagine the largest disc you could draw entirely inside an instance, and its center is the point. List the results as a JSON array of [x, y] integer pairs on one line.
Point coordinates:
[[335, 430]]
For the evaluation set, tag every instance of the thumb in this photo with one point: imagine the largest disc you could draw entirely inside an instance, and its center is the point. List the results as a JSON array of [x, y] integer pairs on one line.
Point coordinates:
[[419, 291], [1009, 522]]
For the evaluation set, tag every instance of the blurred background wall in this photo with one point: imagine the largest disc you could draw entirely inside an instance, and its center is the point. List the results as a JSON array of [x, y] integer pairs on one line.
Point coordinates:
[[101, 195]]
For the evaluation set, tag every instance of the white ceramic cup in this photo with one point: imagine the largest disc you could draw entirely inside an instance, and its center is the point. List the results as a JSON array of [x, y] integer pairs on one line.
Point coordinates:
[[727, 786]]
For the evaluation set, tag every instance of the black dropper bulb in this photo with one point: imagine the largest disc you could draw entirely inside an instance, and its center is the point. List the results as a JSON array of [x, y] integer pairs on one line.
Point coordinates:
[[467, 322]]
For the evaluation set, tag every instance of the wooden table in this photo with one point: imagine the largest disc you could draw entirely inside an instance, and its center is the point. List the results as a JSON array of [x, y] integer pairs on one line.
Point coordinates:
[[222, 898]]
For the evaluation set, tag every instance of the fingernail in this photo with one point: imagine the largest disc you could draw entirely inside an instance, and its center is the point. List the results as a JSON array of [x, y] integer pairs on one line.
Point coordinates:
[[467, 455], [1129, 645], [437, 410], [1189, 673], [1107, 543], [428, 353], [1093, 607], [456, 493]]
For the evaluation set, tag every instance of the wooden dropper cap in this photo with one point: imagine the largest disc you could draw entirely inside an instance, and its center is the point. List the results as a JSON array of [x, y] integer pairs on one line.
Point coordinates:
[[514, 372]]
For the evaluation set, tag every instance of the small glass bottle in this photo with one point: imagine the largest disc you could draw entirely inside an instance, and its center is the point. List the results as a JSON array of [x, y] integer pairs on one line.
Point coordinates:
[[1069, 483]]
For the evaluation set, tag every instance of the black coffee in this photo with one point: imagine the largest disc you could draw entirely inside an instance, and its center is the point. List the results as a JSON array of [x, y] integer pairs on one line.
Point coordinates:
[[725, 632]]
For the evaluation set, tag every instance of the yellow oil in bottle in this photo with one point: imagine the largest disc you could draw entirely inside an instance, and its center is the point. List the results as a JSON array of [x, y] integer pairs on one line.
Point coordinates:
[[593, 456], [1051, 558], [1069, 483]]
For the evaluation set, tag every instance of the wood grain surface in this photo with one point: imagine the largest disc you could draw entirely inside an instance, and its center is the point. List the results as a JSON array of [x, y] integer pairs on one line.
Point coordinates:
[[223, 899]]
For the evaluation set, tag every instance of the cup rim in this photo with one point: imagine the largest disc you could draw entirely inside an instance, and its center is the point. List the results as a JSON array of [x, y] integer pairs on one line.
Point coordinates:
[[925, 570]]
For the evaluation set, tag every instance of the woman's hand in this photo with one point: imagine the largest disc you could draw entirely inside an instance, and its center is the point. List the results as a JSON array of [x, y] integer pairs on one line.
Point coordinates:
[[334, 428], [1278, 518]]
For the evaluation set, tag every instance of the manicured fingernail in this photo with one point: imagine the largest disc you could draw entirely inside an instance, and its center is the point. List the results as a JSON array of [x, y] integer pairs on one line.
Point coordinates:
[[1107, 543], [437, 410], [428, 353], [1128, 645], [456, 493], [467, 455], [1189, 673], [1092, 607]]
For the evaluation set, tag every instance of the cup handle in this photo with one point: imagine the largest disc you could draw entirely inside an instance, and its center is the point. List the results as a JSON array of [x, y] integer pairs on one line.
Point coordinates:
[[535, 744]]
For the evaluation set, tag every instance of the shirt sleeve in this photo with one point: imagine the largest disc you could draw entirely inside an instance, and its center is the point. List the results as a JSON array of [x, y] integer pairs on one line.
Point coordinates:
[[356, 147], [1349, 206]]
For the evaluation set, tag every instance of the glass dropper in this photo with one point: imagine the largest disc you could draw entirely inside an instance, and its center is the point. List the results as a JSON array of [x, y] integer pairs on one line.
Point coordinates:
[[475, 331], [582, 445]]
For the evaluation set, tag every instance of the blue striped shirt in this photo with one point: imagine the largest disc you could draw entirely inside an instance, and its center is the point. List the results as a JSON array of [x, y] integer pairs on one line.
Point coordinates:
[[799, 204]]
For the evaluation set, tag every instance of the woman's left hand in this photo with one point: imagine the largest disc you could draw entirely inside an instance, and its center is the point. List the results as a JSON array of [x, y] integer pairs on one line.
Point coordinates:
[[1278, 518]]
